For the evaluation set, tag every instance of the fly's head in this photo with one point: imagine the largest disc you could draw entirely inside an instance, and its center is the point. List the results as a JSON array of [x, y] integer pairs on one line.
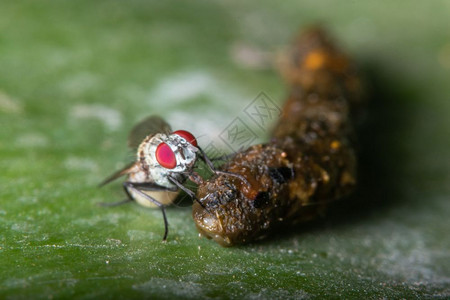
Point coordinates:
[[165, 155]]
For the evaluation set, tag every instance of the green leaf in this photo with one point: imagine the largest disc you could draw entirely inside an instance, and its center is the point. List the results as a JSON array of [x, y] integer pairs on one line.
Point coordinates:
[[75, 76]]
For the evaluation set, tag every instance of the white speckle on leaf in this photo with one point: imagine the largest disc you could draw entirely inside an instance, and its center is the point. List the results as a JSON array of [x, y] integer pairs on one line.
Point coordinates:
[[406, 255], [182, 87], [170, 287], [249, 56], [138, 235], [111, 218], [114, 242], [27, 199], [187, 86], [16, 283], [266, 293], [192, 86], [9, 105], [78, 83], [205, 129], [82, 246], [402, 253], [31, 139], [111, 118], [24, 227], [80, 163]]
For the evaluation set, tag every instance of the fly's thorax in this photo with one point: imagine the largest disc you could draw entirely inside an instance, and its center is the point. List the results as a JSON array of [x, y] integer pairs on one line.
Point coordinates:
[[185, 155]]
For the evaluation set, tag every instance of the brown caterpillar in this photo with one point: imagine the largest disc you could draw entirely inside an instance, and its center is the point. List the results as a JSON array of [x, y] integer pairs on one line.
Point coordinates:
[[309, 161]]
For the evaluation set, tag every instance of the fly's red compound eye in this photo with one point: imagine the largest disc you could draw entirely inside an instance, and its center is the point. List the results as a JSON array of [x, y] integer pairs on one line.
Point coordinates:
[[187, 136], [165, 156]]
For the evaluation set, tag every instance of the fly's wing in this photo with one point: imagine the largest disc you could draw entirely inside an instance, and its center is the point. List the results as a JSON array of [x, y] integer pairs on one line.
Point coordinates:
[[127, 169], [148, 126]]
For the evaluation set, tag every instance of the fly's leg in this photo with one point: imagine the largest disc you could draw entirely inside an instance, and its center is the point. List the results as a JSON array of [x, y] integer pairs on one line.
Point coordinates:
[[113, 204], [209, 161], [188, 191], [213, 169], [182, 187], [118, 203], [223, 157], [205, 158], [147, 186], [139, 188]]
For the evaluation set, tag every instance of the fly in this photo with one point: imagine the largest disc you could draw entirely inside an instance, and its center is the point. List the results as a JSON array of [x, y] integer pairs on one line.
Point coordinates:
[[165, 159]]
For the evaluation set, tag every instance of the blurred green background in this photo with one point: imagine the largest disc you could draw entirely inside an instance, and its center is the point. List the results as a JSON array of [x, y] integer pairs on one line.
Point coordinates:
[[76, 75]]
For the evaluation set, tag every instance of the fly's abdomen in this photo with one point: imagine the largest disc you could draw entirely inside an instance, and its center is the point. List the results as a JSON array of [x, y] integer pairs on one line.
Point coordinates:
[[163, 197]]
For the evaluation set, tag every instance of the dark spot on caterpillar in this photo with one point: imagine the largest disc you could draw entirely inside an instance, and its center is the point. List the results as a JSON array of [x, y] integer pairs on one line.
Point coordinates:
[[221, 197], [281, 175], [261, 199]]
